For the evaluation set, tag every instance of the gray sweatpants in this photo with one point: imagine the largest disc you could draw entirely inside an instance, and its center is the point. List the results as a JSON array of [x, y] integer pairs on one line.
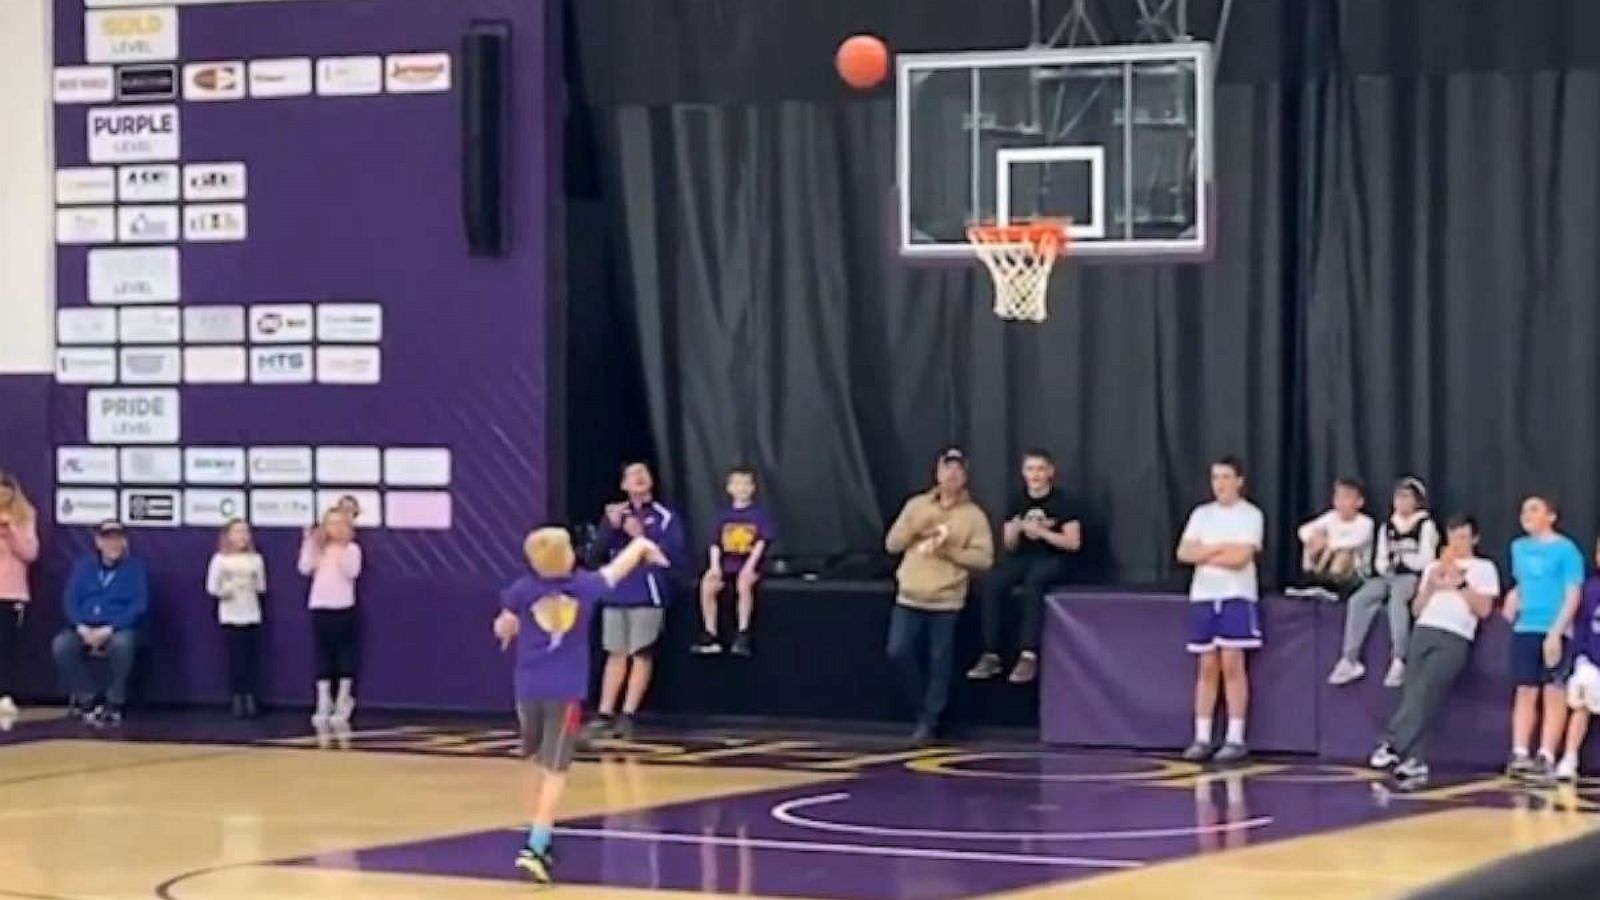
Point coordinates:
[[1393, 591], [1435, 659]]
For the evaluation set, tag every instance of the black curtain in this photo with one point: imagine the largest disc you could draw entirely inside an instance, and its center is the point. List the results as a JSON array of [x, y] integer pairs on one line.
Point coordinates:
[[1403, 281]]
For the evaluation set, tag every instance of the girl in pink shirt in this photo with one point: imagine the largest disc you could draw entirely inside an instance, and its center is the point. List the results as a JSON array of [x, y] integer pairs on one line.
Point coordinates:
[[330, 556], [19, 546]]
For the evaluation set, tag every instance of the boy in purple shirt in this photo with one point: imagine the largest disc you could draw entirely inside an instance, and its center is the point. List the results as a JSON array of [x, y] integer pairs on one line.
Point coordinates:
[[558, 601], [1583, 688], [629, 634], [743, 535]]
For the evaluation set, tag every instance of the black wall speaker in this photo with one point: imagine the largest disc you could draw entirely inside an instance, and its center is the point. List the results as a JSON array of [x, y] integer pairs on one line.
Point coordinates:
[[486, 138]]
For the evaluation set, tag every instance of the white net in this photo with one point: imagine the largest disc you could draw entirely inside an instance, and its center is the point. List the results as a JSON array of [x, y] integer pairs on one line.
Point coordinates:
[[1020, 257]]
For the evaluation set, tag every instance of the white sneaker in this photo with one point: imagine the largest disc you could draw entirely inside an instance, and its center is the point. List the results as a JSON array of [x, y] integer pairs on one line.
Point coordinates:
[[1384, 757], [323, 714], [343, 709], [1567, 771], [1397, 674], [1346, 672], [8, 708]]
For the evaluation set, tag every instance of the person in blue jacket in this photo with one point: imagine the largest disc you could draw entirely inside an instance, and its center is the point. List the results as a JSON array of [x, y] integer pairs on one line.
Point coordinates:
[[106, 598]]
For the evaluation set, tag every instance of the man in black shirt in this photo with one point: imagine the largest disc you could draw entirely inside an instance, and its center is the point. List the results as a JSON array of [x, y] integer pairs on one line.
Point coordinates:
[[1042, 531]]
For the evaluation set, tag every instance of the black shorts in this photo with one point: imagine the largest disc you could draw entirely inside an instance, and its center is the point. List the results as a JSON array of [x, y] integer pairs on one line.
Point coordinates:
[[550, 732], [1527, 661]]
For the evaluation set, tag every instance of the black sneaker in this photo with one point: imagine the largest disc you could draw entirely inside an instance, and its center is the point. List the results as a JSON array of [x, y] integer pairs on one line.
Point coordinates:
[[105, 716], [923, 735], [987, 667], [1521, 766], [1232, 753], [1199, 751], [599, 728], [741, 644], [622, 727], [708, 645], [1411, 771], [540, 866], [80, 708]]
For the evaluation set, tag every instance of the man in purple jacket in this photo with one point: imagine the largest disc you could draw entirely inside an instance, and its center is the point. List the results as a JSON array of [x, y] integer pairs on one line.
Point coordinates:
[[630, 630]]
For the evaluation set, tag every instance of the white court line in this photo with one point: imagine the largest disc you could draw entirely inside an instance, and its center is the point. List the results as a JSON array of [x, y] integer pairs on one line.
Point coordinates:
[[671, 837], [784, 812]]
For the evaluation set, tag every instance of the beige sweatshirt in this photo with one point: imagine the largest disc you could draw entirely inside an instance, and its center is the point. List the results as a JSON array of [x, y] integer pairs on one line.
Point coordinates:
[[934, 573]]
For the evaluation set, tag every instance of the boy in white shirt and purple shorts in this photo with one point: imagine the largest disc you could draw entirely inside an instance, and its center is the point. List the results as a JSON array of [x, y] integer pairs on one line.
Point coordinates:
[[1221, 541]]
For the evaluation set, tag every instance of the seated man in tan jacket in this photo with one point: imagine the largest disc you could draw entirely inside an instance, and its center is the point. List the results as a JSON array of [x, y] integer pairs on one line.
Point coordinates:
[[945, 538]]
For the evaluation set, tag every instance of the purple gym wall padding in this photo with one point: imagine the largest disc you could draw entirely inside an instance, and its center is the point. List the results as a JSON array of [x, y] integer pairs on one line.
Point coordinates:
[[355, 199], [1116, 673]]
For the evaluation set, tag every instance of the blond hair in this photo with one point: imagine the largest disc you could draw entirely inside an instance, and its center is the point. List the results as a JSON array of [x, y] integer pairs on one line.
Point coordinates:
[[550, 553], [19, 507], [222, 537]]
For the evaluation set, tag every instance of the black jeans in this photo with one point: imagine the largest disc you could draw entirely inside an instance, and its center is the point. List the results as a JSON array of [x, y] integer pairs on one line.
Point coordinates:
[[11, 619], [244, 653], [335, 633], [1036, 573]]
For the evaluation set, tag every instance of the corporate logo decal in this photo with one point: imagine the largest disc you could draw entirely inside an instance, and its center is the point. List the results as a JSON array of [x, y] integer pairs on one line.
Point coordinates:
[[214, 81]]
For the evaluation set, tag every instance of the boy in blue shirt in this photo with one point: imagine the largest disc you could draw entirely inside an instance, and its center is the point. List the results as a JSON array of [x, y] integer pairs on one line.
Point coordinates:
[[1548, 569], [548, 613]]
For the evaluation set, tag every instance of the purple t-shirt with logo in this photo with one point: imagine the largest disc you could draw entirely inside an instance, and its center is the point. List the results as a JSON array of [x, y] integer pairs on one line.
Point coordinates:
[[1586, 625], [738, 533], [553, 642]]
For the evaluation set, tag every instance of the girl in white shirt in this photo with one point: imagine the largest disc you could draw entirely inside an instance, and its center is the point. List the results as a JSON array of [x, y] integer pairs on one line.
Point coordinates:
[[237, 578]]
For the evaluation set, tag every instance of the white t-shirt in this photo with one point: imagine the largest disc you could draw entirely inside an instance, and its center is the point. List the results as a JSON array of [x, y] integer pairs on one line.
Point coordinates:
[[1343, 534], [1447, 610], [1236, 523], [237, 580]]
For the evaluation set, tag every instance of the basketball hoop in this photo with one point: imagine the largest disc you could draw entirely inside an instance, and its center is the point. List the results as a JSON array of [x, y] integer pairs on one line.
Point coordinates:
[[1020, 256]]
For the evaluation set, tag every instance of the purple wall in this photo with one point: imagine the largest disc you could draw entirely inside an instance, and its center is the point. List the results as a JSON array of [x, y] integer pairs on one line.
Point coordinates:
[[357, 198]]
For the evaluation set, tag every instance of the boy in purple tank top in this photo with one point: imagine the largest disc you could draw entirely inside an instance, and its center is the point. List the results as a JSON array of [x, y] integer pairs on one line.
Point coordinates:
[[548, 613]]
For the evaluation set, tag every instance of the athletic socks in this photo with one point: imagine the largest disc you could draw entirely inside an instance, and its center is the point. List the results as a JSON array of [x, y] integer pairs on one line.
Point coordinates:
[[1235, 731], [1202, 730], [539, 837]]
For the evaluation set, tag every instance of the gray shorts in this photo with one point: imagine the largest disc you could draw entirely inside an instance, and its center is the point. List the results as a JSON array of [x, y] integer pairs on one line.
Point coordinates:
[[630, 630], [550, 732]]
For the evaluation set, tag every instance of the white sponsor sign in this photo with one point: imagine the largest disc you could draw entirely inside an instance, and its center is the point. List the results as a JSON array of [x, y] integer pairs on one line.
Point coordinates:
[[214, 465], [147, 224], [214, 81], [86, 365], [133, 133], [416, 73], [86, 325], [280, 77], [95, 184], [111, 4], [131, 35], [86, 225], [214, 222], [281, 323], [416, 466], [421, 510], [370, 502], [215, 365], [151, 365], [214, 181], [213, 508], [147, 184], [149, 325], [143, 275], [85, 84], [213, 324], [152, 508], [282, 509], [348, 76], [349, 465], [151, 465], [280, 365], [85, 506], [86, 465], [350, 323], [129, 416], [280, 465], [349, 365]]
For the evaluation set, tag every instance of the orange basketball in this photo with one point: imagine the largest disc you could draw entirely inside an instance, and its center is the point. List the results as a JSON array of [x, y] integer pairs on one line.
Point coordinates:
[[863, 61]]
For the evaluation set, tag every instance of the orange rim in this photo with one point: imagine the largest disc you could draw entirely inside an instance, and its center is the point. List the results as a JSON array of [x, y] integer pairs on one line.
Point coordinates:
[[1047, 237]]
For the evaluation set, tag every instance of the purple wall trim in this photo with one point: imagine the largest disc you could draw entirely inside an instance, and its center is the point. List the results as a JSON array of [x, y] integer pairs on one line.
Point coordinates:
[[358, 199]]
